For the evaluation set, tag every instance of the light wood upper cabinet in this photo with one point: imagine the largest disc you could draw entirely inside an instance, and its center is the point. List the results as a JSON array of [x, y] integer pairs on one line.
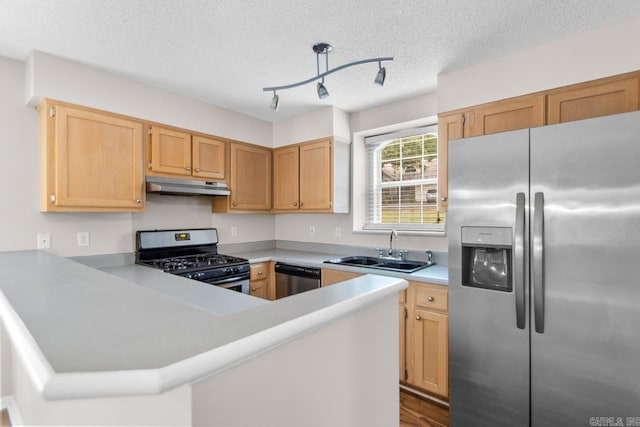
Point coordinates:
[[170, 151], [285, 178], [312, 177], [316, 176], [510, 114], [89, 160], [590, 99], [208, 157], [249, 182], [449, 127], [182, 154]]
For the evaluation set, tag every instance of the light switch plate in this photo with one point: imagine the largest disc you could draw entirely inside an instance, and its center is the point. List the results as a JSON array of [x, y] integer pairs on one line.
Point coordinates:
[[83, 238]]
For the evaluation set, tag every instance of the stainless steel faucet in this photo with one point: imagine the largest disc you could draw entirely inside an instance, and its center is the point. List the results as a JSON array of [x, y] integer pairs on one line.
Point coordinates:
[[393, 233]]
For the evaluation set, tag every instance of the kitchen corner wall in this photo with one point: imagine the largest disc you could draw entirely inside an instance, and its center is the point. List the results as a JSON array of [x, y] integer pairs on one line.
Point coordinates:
[[23, 84]]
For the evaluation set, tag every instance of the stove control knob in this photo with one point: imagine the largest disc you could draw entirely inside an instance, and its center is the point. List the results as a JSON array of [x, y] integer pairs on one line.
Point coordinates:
[[188, 276], [236, 269]]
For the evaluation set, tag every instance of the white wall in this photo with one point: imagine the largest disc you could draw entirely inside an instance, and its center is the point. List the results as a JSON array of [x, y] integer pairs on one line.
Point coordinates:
[[606, 51], [313, 125], [344, 374], [109, 232]]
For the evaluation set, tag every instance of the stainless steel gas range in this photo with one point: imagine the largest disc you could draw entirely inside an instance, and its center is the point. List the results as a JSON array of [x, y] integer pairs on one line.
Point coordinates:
[[192, 253]]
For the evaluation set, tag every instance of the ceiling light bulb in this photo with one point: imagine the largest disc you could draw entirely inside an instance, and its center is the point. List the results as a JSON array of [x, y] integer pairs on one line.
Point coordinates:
[[382, 74], [275, 102], [322, 91]]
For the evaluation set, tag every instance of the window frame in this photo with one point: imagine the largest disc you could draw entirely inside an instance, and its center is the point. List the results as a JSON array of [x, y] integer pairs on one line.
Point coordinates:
[[373, 147]]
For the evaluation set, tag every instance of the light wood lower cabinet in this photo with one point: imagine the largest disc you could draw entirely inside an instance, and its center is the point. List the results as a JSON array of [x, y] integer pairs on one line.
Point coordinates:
[[261, 280], [90, 160], [331, 277], [427, 339]]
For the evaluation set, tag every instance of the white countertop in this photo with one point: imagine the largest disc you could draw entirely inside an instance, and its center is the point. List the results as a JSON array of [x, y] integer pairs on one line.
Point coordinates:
[[131, 330], [438, 274]]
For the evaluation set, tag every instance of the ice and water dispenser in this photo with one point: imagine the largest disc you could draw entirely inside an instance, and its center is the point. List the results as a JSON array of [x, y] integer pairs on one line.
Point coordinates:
[[486, 257]]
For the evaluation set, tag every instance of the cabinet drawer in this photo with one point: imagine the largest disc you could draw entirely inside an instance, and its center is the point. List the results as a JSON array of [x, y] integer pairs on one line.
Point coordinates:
[[259, 271], [431, 298]]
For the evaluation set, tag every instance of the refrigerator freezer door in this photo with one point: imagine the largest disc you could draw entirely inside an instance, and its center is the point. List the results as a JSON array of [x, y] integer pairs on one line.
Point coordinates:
[[489, 354], [586, 362]]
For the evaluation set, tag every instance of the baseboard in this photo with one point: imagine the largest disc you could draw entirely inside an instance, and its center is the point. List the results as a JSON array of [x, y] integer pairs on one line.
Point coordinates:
[[425, 396]]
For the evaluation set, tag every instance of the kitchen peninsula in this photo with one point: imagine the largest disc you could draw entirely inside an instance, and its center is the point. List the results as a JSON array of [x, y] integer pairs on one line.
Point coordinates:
[[81, 346]]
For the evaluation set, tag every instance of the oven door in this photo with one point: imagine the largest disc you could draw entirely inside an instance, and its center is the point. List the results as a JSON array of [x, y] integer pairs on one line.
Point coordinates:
[[238, 283]]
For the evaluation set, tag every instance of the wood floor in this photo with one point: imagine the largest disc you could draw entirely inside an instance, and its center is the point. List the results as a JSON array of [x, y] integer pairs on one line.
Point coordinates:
[[418, 412]]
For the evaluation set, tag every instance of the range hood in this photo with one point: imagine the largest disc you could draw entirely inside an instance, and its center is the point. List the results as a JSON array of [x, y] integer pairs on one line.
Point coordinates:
[[161, 185]]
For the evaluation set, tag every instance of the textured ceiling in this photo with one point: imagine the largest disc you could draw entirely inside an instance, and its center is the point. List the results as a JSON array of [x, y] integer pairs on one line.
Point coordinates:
[[224, 52]]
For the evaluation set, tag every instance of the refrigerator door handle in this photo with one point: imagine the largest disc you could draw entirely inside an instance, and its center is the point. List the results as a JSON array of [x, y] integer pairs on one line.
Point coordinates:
[[538, 262], [518, 268]]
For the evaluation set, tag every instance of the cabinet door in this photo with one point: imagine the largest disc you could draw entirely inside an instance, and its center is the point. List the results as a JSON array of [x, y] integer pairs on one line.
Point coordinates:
[[170, 151], [429, 351], [94, 161], [285, 178], [331, 277], [250, 178], [592, 100], [208, 157], [259, 288], [316, 176], [449, 127], [510, 114]]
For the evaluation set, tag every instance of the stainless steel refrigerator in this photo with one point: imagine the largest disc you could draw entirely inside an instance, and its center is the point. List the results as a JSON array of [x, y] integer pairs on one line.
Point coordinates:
[[544, 275]]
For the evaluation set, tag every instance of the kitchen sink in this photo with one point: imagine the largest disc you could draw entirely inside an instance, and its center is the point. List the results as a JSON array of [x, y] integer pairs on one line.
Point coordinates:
[[401, 265]]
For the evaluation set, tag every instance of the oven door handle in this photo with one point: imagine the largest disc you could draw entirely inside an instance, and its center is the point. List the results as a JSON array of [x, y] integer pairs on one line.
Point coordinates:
[[228, 280]]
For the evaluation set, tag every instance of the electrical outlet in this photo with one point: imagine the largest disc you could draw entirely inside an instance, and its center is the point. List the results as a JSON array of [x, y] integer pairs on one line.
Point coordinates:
[[338, 231], [44, 240], [312, 230], [83, 238], [234, 231]]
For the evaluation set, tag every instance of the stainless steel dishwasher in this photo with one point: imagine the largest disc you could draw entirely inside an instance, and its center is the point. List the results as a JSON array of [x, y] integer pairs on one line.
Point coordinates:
[[293, 279]]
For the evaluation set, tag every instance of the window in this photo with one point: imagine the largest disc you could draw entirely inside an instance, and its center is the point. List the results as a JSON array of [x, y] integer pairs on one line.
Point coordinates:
[[403, 180]]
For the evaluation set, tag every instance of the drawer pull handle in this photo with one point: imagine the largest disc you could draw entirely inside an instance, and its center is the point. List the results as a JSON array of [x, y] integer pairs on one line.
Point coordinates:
[[260, 273], [418, 318], [430, 299]]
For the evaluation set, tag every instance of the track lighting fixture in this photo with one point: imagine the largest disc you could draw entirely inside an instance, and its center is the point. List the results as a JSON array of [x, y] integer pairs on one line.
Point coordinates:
[[322, 91], [275, 101], [382, 74], [324, 49]]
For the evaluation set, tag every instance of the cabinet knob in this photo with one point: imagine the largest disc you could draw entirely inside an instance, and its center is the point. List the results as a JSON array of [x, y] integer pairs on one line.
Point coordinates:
[[197, 169], [443, 198], [418, 318], [138, 201], [234, 203], [300, 204], [188, 168], [260, 273], [295, 203], [430, 299], [253, 289]]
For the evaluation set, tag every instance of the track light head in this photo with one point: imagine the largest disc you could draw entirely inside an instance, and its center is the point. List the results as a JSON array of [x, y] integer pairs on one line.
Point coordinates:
[[382, 74], [275, 101], [322, 91]]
